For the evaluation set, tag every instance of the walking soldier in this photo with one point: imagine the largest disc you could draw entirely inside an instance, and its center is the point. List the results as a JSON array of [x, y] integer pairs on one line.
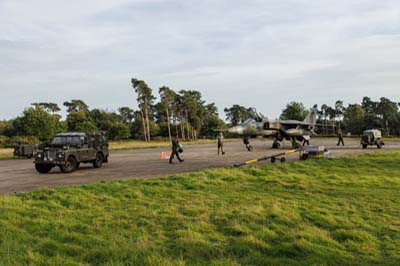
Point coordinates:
[[176, 148]]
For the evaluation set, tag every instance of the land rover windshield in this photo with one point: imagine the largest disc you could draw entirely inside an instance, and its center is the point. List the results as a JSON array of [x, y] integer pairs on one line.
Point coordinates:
[[66, 140]]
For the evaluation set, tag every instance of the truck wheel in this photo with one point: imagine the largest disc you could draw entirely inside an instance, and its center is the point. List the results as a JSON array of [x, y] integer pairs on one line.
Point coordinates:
[[364, 146], [43, 168], [99, 160], [379, 145], [69, 166]]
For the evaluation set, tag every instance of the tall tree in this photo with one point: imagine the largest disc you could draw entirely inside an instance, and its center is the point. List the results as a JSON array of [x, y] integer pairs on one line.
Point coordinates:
[[324, 115], [339, 110], [211, 122], [388, 110], [353, 119], [80, 121], [127, 114], [368, 105], [35, 121], [294, 111], [145, 100], [76, 105], [193, 108], [48, 107], [180, 114], [168, 97], [237, 114]]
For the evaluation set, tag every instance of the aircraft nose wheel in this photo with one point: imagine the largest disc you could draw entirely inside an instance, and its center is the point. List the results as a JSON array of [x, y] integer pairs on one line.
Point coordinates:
[[276, 145]]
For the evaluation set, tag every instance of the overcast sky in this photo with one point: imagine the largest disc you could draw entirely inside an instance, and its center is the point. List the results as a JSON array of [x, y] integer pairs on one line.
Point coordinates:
[[255, 53]]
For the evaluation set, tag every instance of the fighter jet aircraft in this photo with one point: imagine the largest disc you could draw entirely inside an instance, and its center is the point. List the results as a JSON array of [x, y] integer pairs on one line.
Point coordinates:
[[279, 130]]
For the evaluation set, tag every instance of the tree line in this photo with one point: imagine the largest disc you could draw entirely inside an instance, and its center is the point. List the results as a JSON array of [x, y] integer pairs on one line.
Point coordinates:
[[183, 112], [187, 114]]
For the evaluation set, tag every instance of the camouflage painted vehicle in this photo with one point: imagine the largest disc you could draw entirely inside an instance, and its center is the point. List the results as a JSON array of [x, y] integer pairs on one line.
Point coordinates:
[[25, 150], [68, 150], [372, 137]]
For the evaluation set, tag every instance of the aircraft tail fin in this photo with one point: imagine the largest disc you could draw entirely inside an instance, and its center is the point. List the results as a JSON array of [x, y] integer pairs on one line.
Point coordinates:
[[312, 116]]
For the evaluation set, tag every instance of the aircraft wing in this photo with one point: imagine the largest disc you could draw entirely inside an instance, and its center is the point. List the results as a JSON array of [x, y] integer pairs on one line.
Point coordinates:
[[294, 122]]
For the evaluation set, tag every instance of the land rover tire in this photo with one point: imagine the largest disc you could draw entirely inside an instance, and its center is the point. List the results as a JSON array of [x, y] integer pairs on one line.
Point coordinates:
[[69, 165], [43, 168], [364, 146], [98, 162]]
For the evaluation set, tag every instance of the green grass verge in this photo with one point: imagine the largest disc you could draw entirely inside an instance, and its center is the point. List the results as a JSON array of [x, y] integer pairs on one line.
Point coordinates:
[[3, 157], [343, 211]]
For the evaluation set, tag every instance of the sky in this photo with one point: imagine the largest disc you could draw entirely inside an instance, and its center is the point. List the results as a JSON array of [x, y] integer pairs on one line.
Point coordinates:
[[259, 53]]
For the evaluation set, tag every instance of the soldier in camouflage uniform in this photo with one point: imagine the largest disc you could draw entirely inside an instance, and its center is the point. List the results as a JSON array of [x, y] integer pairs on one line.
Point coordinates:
[[340, 136], [220, 143], [174, 151]]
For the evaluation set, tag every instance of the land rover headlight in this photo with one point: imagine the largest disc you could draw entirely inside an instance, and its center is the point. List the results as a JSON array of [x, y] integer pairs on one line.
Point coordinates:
[[60, 155], [39, 155]]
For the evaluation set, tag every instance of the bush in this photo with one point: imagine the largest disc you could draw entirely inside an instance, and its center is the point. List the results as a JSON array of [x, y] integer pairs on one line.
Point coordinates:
[[10, 142], [118, 131]]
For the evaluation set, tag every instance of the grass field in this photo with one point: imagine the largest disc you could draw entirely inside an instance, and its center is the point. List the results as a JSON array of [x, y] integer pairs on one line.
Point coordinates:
[[6, 153], [343, 211]]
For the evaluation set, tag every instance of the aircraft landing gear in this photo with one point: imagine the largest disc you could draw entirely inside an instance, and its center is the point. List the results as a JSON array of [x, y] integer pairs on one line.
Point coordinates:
[[295, 144], [276, 145]]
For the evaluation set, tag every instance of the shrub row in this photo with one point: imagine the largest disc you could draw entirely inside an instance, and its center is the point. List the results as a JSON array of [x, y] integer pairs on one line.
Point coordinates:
[[10, 142]]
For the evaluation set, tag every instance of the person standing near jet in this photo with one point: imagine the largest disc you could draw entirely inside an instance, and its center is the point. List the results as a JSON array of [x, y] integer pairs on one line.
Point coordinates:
[[220, 142], [174, 151], [247, 143], [306, 140], [340, 136]]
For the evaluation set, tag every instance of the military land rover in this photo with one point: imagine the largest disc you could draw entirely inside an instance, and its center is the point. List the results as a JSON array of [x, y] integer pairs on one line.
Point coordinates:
[[68, 150], [372, 137]]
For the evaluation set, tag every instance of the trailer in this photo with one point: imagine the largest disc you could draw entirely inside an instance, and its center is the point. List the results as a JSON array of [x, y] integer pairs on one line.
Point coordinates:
[[304, 153], [273, 158], [25, 150], [312, 152]]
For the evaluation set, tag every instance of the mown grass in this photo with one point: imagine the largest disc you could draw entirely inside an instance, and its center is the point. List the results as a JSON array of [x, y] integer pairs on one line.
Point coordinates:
[[6, 153], [342, 211]]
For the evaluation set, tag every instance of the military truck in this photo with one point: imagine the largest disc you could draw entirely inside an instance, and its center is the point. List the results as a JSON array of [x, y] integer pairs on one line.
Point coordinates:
[[372, 137], [25, 150], [68, 150]]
